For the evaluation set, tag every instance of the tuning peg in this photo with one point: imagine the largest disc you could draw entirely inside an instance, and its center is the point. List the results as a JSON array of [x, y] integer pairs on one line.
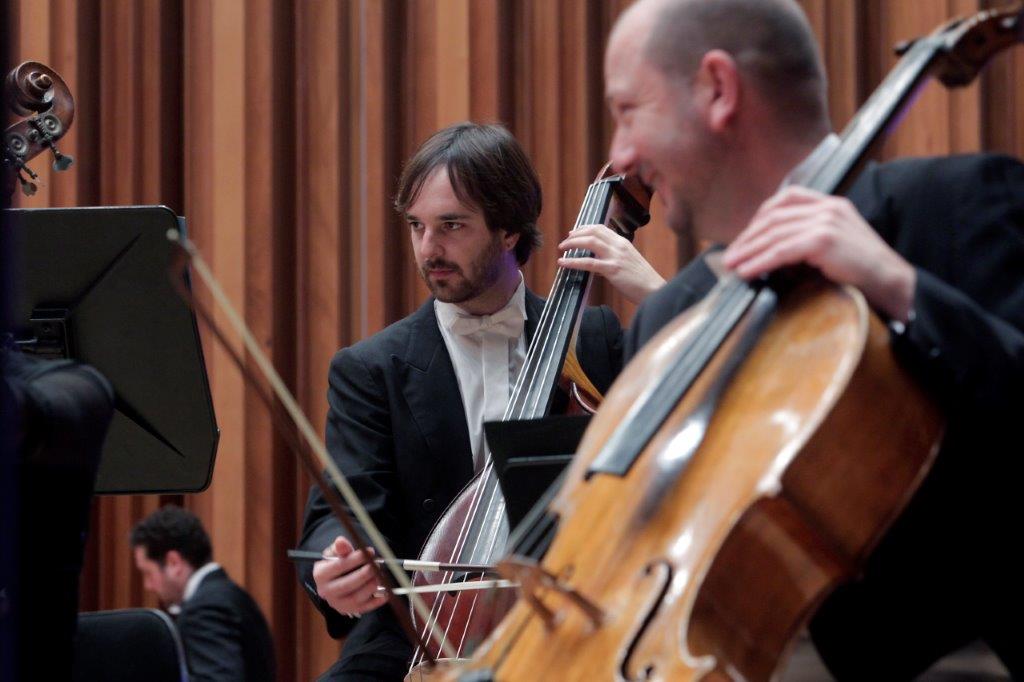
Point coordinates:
[[28, 187], [61, 162]]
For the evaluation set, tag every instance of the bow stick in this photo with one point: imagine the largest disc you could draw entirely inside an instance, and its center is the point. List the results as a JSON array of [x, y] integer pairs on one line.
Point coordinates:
[[406, 564], [310, 448]]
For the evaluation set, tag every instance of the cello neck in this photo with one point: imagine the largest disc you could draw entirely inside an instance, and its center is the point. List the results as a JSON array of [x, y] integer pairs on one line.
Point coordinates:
[[535, 388], [954, 54]]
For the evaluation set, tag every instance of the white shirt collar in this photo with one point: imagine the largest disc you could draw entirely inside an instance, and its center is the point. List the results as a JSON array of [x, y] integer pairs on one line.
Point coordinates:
[[196, 578], [486, 365]]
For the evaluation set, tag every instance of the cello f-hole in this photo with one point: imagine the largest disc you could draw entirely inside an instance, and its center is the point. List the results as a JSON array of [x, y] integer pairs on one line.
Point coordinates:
[[660, 572]]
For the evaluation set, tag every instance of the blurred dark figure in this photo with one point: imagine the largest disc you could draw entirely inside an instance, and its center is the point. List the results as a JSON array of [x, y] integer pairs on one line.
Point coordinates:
[[222, 628], [55, 418]]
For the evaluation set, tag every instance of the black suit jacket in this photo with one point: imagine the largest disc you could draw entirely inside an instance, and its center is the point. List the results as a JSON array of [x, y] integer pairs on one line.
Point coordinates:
[[942, 575], [397, 429], [224, 633]]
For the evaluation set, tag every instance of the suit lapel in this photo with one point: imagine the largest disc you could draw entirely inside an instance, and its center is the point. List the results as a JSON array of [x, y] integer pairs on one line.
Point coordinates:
[[431, 391]]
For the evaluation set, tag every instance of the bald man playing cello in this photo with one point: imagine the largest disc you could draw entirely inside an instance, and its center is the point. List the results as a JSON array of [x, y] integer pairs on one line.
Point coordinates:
[[720, 103]]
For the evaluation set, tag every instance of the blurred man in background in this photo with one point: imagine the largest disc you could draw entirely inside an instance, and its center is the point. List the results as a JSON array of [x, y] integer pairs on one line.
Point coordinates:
[[223, 631]]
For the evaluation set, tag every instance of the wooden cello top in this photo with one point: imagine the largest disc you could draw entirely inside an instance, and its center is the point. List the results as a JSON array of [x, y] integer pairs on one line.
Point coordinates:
[[656, 572]]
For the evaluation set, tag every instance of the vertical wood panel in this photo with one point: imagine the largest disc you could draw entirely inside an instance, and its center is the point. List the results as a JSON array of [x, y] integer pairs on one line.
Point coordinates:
[[197, 96], [160, 92], [324, 43], [269, 230], [939, 121], [451, 72], [839, 27], [490, 71], [418, 110], [198, 132], [538, 124], [223, 167], [76, 58], [373, 252]]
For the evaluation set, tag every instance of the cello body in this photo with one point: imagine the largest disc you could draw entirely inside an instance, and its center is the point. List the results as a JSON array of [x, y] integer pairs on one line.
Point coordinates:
[[816, 446]]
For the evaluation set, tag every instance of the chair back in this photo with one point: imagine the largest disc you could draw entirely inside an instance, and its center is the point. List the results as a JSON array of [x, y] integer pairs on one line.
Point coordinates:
[[127, 645]]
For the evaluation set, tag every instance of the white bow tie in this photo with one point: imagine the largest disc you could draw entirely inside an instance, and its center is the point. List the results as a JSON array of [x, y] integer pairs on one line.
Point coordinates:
[[507, 322]]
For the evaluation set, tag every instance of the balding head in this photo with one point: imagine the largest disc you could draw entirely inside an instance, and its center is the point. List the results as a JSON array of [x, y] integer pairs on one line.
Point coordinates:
[[770, 40]]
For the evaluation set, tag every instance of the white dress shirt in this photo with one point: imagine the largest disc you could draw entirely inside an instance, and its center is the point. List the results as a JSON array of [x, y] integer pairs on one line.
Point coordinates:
[[487, 352]]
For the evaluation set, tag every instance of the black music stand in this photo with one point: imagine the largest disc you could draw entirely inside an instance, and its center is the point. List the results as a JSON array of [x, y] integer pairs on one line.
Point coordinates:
[[529, 455], [95, 288]]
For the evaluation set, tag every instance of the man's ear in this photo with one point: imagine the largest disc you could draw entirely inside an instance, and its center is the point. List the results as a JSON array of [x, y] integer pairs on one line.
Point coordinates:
[[510, 239], [719, 85], [173, 559]]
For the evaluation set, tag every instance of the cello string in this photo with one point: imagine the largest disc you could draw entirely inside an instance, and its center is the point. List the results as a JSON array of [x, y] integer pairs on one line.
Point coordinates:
[[540, 345], [552, 323], [437, 606], [556, 298], [439, 602], [531, 526], [495, 503], [490, 485], [480, 490], [547, 329], [569, 306], [590, 213], [553, 319], [549, 311], [475, 595], [494, 506], [565, 308]]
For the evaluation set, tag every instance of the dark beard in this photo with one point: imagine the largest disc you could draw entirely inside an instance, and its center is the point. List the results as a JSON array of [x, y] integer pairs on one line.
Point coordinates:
[[484, 271]]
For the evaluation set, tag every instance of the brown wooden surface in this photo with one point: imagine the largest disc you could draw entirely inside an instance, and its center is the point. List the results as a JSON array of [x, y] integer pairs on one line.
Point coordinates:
[[277, 127]]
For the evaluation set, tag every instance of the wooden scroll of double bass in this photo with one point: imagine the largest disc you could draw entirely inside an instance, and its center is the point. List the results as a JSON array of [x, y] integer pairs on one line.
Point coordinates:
[[38, 92], [743, 464], [474, 528]]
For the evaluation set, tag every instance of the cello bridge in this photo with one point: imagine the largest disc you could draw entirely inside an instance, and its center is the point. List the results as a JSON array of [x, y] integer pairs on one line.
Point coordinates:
[[532, 578]]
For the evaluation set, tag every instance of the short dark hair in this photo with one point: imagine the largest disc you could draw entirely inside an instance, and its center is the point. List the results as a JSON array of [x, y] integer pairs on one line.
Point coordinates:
[[172, 527], [489, 170], [771, 41]]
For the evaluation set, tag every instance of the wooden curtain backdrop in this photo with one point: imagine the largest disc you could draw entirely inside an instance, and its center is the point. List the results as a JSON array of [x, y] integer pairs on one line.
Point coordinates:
[[277, 127]]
